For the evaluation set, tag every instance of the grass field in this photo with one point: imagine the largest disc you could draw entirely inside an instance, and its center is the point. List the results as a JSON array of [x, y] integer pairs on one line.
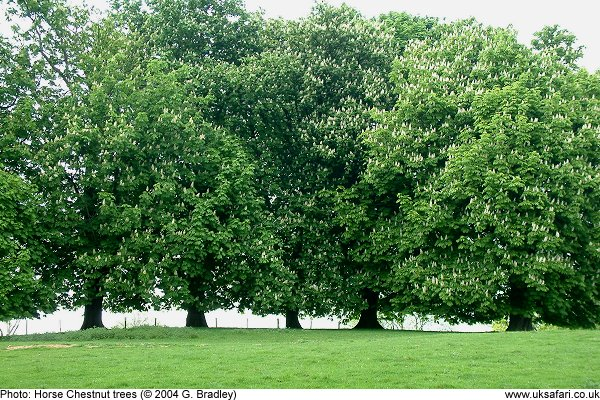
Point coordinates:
[[242, 358]]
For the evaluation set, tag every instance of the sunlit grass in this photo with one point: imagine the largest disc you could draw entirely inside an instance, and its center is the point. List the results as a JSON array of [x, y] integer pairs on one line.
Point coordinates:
[[240, 358]]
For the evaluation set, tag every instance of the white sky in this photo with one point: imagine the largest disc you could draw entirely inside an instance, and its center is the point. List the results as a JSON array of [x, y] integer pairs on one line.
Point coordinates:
[[578, 16]]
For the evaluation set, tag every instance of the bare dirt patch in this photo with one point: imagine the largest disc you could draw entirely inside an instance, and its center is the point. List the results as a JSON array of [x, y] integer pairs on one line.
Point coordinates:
[[40, 346]]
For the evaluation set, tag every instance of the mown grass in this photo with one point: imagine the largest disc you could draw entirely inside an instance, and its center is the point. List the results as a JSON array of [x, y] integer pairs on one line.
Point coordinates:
[[242, 358]]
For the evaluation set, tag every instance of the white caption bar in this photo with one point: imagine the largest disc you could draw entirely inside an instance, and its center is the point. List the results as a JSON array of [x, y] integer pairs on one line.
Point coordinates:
[[293, 394]]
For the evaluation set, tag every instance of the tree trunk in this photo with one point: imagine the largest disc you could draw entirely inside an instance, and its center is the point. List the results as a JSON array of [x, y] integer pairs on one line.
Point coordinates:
[[291, 319], [368, 317], [519, 306], [92, 315], [195, 318], [519, 323]]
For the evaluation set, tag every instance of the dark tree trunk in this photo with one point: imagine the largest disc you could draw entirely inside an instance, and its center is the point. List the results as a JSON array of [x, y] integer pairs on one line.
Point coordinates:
[[368, 317], [519, 305], [291, 319], [519, 323], [195, 318], [92, 315]]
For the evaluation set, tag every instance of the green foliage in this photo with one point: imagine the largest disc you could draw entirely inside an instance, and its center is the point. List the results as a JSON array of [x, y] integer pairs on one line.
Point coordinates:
[[406, 28], [346, 59], [192, 30], [488, 158], [173, 197], [192, 154], [17, 112], [57, 36], [559, 44], [141, 193], [22, 294], [298, 107]]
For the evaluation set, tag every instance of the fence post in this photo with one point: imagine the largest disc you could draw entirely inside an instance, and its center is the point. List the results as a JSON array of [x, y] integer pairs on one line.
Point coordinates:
[[125, 322], [277, 323], [216, 323], [154, 321], [26, 331], [60, 325], [246, 323]]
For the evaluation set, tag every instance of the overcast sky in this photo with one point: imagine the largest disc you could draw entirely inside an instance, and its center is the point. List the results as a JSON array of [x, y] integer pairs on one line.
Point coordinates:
[[527, 17], [578, 16]]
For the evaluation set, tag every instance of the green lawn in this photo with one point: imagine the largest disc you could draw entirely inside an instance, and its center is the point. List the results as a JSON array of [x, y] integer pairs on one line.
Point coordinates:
[[242, 358]]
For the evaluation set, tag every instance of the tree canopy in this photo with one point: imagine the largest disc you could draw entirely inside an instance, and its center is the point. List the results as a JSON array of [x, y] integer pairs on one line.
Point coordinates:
[[192, 154], [488, 156]]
